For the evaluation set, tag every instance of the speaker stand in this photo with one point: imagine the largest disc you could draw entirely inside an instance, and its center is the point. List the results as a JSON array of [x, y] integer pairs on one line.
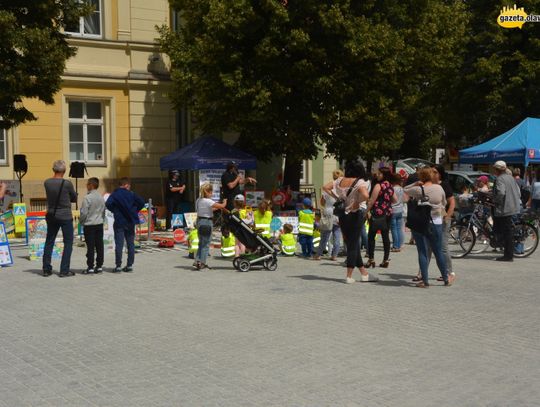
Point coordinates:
[[20, 175]]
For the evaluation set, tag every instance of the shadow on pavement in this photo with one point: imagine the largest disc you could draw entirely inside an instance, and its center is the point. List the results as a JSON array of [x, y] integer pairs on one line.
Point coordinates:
[[311, 277]]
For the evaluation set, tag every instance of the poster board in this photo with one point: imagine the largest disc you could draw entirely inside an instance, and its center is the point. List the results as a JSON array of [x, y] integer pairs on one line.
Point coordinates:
[[177, 220], [214, 178], [190, 219], [254, 198], [36, 233], [12, 195], [292, 220], [6, 258], [19, 212], [9, 221]]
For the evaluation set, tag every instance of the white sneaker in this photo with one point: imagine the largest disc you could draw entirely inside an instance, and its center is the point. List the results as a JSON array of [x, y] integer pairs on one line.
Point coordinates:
[[368, 279], [350, 280]]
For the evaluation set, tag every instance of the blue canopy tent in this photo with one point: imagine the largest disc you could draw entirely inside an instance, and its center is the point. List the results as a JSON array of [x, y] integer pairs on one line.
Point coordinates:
[[520, 145], [207, 153]]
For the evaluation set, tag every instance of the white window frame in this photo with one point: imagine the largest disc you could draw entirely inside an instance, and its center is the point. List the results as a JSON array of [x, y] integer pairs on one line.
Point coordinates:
[[81, 32], [304, 179], [3, 134], [84, 121]]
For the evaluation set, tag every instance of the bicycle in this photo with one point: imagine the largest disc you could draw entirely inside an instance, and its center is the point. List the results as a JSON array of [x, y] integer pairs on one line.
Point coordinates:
[[478, 227]]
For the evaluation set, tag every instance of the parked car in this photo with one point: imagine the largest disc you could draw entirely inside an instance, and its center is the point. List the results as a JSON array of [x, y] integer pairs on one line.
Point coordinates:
[[460, 179], [408, 165]]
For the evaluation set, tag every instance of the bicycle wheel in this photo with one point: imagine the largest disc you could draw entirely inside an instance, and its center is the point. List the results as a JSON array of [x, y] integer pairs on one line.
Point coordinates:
[[526, 237], [461, 241], [482, 243]]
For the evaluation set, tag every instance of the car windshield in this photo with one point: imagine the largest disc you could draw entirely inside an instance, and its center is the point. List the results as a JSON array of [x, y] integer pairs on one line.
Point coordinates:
[[413, 162]]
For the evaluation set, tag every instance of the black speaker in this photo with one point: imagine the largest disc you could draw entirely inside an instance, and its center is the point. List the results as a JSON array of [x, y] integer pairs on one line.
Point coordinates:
[[19, 163], [77, 169]]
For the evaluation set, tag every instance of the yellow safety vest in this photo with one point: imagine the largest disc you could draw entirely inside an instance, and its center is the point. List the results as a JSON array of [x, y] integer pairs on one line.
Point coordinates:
[[193, 241], [306, 223], [227, 245], [263, 222], [288, 244], [242, 214], [316, 238]]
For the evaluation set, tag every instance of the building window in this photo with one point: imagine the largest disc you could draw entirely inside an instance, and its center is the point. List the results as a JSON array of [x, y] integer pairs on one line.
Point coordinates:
[[304, 173], [90, 25], [3, 147], [86, 132]]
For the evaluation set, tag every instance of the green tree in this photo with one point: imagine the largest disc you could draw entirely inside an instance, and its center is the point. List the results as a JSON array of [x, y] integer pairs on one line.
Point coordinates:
[[500, 77], [292, 76], [33, 52]]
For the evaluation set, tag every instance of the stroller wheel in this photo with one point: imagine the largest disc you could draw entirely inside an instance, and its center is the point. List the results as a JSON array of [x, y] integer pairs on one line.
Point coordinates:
[[270, 264], [236, 262], [243, 265]]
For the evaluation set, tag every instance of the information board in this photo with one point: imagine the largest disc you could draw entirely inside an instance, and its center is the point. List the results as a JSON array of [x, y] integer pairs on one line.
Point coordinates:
[[6, 258], [9, 221], [11, 196], [19, 212], [291, 220], [190, 218], [36, 234]]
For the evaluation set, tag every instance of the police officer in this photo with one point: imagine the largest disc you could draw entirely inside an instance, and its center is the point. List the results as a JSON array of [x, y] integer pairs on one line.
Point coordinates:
[[174, 193]]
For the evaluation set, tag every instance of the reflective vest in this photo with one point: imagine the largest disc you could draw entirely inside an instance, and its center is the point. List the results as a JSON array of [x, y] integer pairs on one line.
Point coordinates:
[[263, 222], [288, 244], [306, 220], [227, 245], [193, 241], [242, 214], [316, 238]]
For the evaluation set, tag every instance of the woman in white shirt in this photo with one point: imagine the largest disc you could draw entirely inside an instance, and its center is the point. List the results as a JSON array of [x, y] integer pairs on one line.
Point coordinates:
[[351, 189], [205, 207], [329, 223]]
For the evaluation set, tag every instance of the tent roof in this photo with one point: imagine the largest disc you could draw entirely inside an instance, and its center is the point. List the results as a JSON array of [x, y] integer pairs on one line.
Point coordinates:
[[519, 145], [207, 153]]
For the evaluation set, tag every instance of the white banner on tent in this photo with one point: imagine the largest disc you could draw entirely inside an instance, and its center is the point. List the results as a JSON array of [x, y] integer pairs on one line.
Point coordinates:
[[214, 178]]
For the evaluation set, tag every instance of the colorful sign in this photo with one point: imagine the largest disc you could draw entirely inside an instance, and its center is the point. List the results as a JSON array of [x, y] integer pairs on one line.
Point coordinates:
[[19, 211], [191, 219], [254, 198], [11, 196], [6, 258], [36, 234], [291, 220], [9, 221], [179, 236], [177, 220]]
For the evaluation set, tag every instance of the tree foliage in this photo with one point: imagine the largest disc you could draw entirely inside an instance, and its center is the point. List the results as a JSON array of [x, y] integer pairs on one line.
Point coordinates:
[[33, 52], [499, 80], [357, 77]]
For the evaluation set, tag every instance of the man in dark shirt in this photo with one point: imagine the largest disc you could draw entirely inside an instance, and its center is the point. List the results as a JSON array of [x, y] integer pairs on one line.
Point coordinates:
[[230, 183], [174, 194], [60, 194]]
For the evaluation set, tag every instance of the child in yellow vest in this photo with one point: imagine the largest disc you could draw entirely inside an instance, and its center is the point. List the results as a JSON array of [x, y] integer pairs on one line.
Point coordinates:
[[193, 243], [287, 240], [262, 218], [306, 223], [228, 242], [240, 211]]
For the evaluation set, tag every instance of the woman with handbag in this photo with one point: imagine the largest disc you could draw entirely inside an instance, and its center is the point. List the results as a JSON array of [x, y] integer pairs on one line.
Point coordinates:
[[350, 191], [379, 213]]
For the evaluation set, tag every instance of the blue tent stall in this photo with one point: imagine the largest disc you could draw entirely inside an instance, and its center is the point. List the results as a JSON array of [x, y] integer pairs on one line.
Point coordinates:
[[207, 153], [519, 145]]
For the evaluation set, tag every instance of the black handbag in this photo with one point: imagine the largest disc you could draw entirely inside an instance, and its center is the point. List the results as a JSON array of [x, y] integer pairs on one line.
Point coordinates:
[[379, 222], [339, 205], [419, 214]]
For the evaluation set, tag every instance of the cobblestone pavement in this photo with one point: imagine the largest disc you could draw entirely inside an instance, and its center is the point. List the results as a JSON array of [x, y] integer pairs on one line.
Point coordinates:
[[167, 335]]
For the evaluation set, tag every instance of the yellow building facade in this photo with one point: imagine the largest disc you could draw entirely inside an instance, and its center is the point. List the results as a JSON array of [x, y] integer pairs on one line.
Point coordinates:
[[113, 110]]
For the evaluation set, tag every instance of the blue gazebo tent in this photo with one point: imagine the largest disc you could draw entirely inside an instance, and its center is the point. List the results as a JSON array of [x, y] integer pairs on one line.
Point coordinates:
[[520, 145], [207, 153]]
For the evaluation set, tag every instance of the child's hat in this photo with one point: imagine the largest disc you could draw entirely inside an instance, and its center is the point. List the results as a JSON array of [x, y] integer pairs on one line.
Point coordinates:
[[239, 197], [307, 202]]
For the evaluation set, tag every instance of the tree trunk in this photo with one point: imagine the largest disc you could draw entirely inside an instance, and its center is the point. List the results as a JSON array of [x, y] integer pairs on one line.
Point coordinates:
[[292, 174]]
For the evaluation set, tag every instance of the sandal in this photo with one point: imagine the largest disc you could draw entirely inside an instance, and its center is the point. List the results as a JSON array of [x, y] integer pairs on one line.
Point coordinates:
[[421, 284], [417, 278]]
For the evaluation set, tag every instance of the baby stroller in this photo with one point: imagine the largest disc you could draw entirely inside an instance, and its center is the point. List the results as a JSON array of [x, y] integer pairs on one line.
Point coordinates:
[[262, 251]]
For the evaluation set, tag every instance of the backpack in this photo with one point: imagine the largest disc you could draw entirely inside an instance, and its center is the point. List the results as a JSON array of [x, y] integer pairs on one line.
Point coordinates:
[[419, 214]]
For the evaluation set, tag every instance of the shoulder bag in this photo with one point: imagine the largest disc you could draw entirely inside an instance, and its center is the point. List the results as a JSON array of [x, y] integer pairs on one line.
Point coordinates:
[[52, 216], [339, 205]]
